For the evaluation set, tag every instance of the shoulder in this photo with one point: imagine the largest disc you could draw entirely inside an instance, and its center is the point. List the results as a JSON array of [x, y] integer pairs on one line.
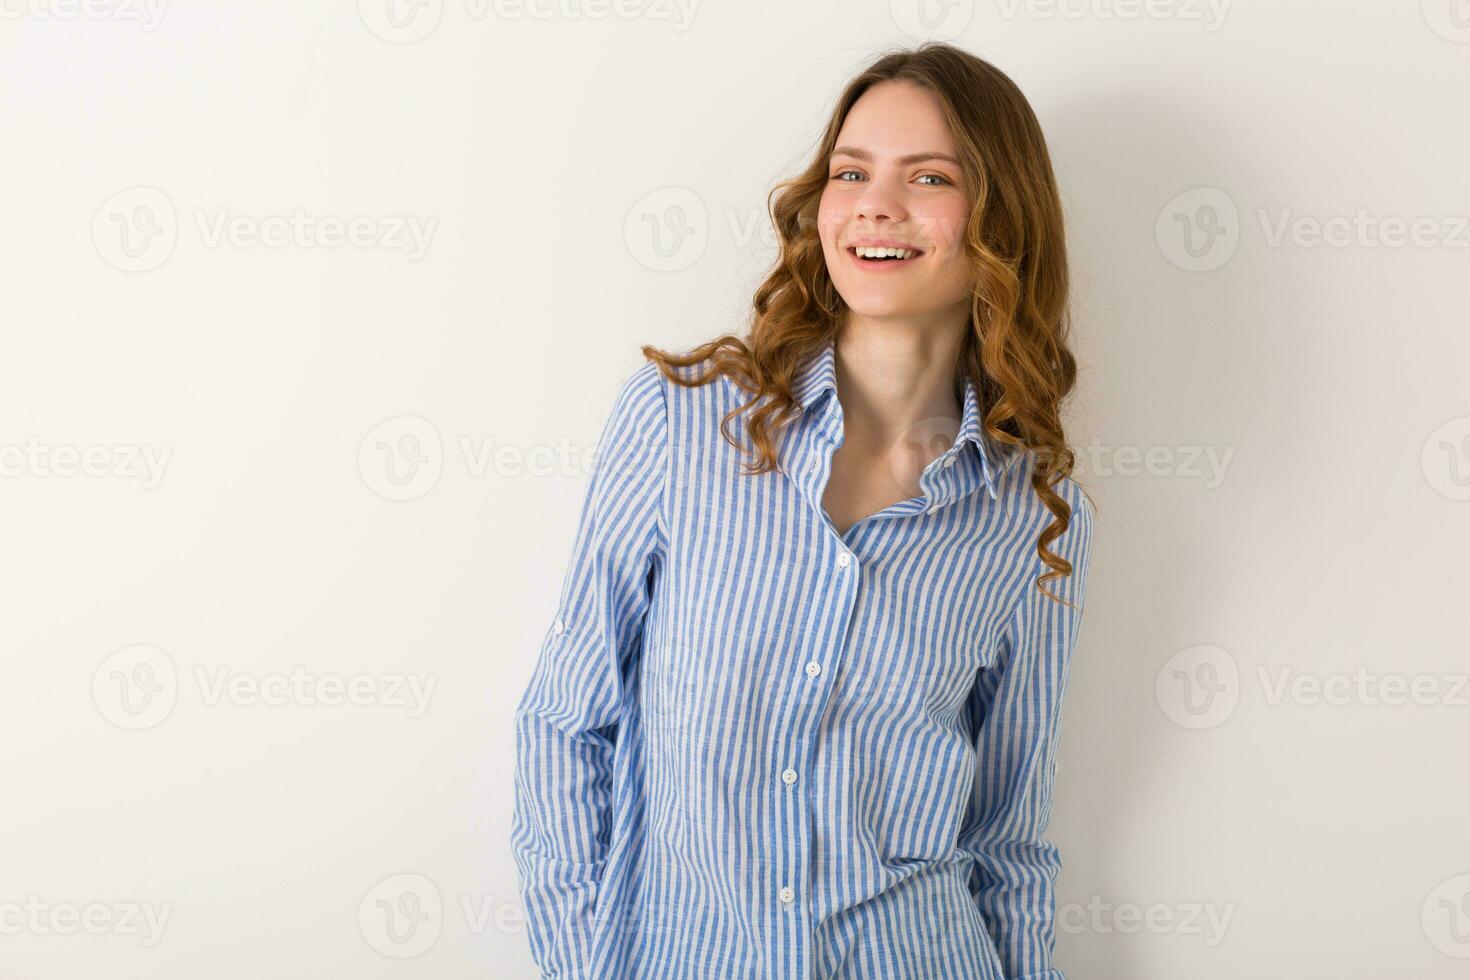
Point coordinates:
[[642, 398], [1023, 507], [635, 428], [1014, 485]]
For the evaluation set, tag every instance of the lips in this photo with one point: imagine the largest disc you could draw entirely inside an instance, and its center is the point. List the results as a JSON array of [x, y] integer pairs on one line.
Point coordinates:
[[878, 265], [875, 249]]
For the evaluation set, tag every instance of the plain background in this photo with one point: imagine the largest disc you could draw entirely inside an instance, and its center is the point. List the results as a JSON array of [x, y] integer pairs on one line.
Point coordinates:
[[368, 454]]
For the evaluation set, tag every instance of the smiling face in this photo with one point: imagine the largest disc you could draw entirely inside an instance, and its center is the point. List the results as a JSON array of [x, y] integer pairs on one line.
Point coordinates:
[[894, 179]]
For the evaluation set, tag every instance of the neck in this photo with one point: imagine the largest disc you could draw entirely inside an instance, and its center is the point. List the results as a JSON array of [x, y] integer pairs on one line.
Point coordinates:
[[890, 376]]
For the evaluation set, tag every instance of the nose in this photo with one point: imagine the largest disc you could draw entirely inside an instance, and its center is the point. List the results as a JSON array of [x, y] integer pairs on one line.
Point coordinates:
[[880, 199]]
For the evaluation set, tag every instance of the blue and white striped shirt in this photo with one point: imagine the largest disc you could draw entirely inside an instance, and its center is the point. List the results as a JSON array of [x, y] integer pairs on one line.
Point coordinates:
[[754, 748]]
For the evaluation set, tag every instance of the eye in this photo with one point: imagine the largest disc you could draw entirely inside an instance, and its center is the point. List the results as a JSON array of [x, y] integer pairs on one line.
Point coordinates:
[[843, 173], [939, 177]]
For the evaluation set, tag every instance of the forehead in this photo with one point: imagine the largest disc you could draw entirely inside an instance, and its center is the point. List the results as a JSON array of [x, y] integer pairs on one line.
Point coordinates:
[[893, 118]]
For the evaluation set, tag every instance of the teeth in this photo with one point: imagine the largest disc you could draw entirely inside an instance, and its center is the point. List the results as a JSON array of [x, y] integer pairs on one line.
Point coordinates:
[[865, 252]]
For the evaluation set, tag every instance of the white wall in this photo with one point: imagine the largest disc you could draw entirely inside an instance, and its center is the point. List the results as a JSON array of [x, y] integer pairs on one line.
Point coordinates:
[[1253, 831]]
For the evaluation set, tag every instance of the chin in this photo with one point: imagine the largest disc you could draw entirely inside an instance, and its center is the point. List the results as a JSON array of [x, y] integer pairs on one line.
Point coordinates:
[[884, 307]]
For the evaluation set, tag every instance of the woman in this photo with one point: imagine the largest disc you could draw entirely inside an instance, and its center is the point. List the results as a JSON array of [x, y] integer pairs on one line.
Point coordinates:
[[798, 712]]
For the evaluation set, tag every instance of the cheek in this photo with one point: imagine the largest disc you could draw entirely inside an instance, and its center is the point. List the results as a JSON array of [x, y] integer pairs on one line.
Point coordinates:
[[946, 229], [831, 217]]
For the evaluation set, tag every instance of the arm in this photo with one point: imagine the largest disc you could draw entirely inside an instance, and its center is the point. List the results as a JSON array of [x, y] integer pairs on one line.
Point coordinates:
[[566, 721], [1016, 713]]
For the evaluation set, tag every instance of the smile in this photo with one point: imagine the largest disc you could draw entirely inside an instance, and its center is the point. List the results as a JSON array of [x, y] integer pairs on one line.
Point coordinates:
[[883, 259]]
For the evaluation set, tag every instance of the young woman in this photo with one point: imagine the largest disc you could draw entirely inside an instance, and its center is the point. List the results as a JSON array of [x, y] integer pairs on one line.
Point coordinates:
[[797, 715]]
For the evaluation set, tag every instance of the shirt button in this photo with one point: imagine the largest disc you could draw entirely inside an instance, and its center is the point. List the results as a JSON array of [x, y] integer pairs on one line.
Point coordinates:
[[558, 627], [813, 669], [787, 895], [843, 560], [948, 461], [788, 777]]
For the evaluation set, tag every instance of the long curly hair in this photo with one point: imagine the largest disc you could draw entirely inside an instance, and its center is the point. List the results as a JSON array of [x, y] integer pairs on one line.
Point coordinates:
[[1016, 349]]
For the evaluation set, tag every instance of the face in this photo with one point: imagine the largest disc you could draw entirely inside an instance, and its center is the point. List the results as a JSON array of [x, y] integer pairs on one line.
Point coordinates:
[[894, 179]]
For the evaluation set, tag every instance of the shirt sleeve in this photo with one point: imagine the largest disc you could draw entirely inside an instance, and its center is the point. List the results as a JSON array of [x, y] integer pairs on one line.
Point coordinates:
[[567, 719], [1016, 713]]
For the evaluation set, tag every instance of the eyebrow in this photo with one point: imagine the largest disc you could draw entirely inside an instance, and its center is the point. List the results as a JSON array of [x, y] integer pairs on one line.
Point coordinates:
[[861, 154]]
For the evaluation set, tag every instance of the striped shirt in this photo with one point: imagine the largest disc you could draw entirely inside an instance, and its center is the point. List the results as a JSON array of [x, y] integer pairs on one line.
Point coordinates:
[[753, 747]]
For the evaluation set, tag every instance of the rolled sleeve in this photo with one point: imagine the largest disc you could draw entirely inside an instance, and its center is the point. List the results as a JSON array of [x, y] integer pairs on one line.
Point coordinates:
[[567, 719], [1016, 711]]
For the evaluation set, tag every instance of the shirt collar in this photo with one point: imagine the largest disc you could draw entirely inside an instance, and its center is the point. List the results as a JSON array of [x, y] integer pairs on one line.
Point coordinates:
[[819, 375]]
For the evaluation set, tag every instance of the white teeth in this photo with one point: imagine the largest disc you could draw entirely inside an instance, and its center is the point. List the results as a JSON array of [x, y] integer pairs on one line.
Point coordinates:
[[865, 252]]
